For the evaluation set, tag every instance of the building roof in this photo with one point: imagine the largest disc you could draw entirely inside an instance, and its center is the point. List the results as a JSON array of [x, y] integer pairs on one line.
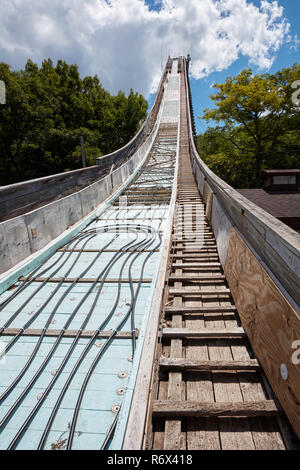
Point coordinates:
[[280, 204], [281, 172]]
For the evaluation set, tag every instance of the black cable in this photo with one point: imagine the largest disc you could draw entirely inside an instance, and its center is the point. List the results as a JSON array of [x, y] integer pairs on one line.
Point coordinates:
[[29, 279], [46, 360], [48, 322], [33, 318], [49, 387], [85, 351], [95, 362], [111, 431]]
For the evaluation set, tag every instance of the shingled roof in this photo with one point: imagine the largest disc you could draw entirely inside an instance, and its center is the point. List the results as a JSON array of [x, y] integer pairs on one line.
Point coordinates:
[[280, 204]]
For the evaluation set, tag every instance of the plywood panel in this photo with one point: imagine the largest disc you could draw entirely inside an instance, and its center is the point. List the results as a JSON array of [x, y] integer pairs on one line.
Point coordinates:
[[270, 322]]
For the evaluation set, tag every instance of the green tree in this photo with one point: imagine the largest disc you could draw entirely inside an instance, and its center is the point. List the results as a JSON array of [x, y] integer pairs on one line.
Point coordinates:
[[48, 108], [257, 115]]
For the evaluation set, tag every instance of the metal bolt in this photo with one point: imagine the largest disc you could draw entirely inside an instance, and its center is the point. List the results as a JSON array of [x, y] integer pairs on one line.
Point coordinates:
[[122, 375], [284, 371], [53, 372], [98, 345], [39, 396], [115, 408], [121, 391], [130, 359]]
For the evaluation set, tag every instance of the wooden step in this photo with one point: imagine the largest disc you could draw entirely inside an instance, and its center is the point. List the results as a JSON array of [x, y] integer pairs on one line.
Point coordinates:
[[194, 252], [203, 333], [176, 409], [197, 310], [186, 293], [198, 365], [92, 250], [218, 277], [201, 257], [197, 256], [193, 267], [195, 243], [209, 264]]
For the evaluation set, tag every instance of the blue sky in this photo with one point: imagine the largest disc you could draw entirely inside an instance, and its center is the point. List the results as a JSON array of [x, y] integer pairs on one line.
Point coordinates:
[[125, 42], [287, 55]]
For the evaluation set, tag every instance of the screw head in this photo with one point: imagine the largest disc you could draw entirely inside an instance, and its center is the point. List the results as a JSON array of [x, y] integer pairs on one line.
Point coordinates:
[[39, 396], [115, 408], [122, 375], [121, 391], [284, 371]]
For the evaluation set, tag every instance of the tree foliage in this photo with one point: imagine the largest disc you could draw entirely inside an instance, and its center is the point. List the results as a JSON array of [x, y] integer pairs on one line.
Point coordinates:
[[258, 126], [48, 108]]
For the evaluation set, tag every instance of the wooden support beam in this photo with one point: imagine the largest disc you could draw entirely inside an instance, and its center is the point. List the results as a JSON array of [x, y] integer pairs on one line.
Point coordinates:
[[199, 365], [176, 409], [203, 333]]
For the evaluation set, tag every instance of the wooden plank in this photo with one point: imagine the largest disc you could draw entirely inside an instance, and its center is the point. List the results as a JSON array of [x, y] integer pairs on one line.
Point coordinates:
[[86, 280], [204, 333], [199, 292], [202, 266], [212, 277], [271, 323], [168, 408], [199, 365], [67, 333], [92, 250], [198, 256], [188, 309]]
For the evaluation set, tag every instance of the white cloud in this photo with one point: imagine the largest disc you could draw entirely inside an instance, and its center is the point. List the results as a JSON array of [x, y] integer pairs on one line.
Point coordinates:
[[122, 40]]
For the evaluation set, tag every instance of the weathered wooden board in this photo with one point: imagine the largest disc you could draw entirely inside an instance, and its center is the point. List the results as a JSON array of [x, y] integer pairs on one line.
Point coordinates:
[[177, 332], [270, 322], [196, 364], [202, 409]]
